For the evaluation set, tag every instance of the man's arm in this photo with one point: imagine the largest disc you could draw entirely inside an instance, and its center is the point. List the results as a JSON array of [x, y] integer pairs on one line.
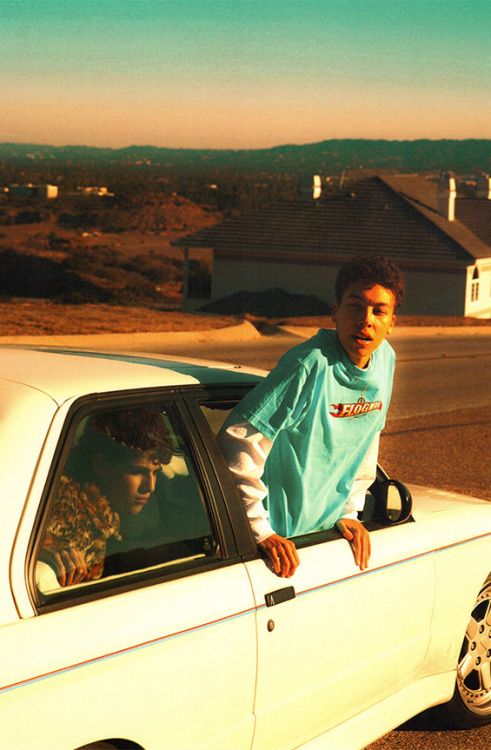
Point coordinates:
[[246, 451]]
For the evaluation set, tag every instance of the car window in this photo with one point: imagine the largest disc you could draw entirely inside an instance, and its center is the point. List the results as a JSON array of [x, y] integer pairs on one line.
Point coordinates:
[[126, 498], [216, 412]]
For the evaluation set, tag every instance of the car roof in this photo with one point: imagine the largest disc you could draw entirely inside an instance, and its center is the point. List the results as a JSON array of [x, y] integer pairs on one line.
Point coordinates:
[[66, 373]]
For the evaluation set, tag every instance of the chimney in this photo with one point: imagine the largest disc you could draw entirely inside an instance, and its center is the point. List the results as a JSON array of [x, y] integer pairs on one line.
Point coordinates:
[[447, 193], [483, 187], [309, 187]]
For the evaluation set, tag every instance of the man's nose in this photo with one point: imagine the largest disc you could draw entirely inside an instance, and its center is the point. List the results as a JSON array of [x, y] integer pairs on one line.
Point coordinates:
[[367, 316], [148, 484]]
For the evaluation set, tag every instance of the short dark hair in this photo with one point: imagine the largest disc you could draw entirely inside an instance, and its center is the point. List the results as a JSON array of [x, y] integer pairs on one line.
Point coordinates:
[[374, 269]]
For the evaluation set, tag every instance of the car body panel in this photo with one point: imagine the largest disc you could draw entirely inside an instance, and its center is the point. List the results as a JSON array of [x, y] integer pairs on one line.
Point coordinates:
[[196, 658], [173, 642], [63, 374], [25, 418], [460, 527], [334, 666]]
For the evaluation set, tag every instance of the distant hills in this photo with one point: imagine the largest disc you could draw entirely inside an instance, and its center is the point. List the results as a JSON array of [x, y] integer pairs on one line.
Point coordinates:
[[326, 157]]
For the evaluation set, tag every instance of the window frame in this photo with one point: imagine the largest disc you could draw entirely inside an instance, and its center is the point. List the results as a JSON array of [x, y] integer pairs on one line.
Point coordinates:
[[170, 399], [475, 285], [194, 399]]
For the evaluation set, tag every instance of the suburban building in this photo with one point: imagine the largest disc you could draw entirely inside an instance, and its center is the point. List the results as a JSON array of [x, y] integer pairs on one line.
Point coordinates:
[[98, 191], [48, 192], [438, 233]]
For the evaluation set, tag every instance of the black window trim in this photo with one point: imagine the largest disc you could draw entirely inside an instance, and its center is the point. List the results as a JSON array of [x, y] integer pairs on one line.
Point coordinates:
[[193, 398], [171, 398]]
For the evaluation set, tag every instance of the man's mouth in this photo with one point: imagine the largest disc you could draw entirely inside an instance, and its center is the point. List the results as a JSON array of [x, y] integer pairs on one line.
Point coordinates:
[[362, 339]]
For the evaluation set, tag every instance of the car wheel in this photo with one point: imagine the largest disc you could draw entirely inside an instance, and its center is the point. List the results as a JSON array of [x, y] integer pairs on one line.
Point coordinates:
[[471, 702]]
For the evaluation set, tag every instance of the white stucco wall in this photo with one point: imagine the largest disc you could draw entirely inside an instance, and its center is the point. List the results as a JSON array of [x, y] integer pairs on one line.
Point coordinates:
[[480, 307]]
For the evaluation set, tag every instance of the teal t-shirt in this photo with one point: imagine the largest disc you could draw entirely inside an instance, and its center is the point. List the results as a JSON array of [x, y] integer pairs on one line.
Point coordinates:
[[322, 413]]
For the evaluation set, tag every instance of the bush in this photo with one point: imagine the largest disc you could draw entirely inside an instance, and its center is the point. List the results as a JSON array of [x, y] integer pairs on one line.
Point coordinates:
[[23, 275], [28, 217]]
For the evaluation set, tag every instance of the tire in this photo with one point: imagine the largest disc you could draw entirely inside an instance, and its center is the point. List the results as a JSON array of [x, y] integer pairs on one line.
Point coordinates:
[[470, 705]]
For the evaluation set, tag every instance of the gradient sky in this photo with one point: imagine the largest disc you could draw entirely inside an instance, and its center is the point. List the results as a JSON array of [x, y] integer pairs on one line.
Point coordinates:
[[243, 73]]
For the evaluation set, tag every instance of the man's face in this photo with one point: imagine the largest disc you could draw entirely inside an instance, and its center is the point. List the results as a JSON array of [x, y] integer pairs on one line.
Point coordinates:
[[129, 485], [364, 317]]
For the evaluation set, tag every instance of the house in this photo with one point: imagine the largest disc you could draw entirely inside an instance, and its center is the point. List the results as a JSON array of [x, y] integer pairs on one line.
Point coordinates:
[[97, 191], [438, 235], [48, 192]]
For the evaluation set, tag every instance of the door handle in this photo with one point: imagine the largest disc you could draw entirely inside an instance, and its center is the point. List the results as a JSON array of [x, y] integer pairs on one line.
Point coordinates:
[[279, 596]]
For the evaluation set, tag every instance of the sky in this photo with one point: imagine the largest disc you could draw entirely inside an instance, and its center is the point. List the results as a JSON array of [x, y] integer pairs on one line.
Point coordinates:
[[242, 73]]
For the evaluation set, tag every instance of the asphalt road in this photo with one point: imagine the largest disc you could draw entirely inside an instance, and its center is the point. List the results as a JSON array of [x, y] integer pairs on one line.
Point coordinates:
[[434, 373]]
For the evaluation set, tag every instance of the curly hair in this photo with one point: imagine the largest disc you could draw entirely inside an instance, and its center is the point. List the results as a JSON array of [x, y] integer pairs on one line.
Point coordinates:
[[118, 435], [374, 269], [140, 429]]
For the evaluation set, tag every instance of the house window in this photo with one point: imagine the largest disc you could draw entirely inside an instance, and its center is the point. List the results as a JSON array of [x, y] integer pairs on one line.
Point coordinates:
[[475, 286]]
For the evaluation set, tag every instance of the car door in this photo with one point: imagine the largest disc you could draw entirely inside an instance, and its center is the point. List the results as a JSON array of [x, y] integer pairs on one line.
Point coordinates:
[[339, 640], [160, 651], [333, 640]]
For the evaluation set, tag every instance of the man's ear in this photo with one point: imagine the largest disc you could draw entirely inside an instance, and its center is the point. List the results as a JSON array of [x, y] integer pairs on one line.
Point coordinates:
[[391, 327], [334, 310]]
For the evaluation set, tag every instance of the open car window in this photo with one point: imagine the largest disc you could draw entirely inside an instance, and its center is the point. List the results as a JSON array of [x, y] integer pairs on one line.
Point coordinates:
[[126, 498], [380, 509]]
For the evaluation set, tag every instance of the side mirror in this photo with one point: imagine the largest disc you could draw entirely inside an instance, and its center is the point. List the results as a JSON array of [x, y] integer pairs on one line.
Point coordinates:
[[395, 502]]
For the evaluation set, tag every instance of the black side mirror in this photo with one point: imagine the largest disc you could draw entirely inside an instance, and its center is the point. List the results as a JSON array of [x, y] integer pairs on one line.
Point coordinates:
[[394, 502]]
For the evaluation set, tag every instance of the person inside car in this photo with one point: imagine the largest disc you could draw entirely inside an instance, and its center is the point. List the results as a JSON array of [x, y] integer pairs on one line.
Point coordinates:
[[103, 501], [303, 444]]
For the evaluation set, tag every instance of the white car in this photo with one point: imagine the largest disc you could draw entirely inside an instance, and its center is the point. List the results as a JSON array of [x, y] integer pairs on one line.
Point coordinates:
[[183, 637]]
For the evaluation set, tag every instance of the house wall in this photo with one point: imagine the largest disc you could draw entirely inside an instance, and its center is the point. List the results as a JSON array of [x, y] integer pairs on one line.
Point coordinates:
[[479, 307], [434, 293], [231, 276], [427, 292]]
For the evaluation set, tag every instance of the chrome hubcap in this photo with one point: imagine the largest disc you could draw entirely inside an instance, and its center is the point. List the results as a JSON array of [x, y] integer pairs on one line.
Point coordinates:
[[474, 669]]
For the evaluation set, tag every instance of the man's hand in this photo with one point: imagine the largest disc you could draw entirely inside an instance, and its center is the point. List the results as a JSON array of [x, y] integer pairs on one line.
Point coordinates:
[[69, 564], [359, 538], [282, 553]]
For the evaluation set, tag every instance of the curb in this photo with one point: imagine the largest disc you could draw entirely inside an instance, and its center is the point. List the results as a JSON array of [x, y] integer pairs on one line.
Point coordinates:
[[243, 332], [306, 332]]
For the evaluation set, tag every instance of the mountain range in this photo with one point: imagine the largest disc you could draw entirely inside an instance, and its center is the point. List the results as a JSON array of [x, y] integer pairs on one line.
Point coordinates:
[[468, 156]]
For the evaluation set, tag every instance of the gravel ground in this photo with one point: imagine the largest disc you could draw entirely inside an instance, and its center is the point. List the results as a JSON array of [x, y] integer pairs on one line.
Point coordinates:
[[416, 735], [36, 317], [409, 446]]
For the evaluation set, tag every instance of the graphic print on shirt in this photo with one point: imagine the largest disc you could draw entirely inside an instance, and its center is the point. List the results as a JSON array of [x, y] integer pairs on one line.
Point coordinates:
[[358, 409]]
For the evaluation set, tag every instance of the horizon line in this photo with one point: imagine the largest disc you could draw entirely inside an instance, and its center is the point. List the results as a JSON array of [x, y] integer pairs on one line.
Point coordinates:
[[235, 150]]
